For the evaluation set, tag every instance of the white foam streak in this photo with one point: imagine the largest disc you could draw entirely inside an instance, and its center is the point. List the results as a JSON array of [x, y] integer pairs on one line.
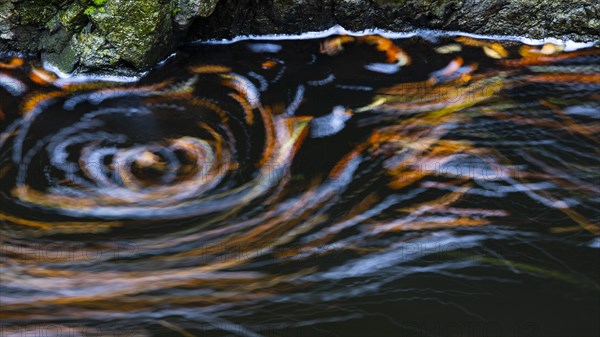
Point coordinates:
[[329, 124], [12, 85], [265, 48], [65, 78], [570, 45]]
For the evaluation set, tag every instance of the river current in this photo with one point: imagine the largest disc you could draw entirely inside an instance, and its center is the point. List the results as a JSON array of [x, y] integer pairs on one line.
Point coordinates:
[[335, 186]]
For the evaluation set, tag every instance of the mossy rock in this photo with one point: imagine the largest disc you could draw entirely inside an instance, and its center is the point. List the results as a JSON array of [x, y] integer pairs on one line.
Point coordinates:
[[36, 12], [72, 18], [92, 35], [85, 51], [140, 31], [65, 60], [95, 51]]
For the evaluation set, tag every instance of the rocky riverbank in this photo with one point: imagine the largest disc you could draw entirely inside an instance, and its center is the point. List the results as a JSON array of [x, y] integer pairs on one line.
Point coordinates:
[[128, 36]]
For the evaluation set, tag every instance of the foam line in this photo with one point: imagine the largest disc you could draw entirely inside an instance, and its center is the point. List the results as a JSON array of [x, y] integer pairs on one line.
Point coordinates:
[[427, 33]]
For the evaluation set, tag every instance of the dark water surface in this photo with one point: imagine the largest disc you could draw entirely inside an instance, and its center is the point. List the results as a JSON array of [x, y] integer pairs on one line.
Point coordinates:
[[345, 186]]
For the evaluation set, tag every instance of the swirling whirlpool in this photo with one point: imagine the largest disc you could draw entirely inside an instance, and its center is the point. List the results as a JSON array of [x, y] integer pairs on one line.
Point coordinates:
[[306, 188]]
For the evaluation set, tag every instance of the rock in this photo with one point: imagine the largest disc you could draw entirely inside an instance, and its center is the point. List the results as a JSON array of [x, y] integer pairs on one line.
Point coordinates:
[[115, 36], [232, 18], [129, 36], [73, 17], [65, 60], [140, 31], [577, 19], [6, 13], [188, 10]]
